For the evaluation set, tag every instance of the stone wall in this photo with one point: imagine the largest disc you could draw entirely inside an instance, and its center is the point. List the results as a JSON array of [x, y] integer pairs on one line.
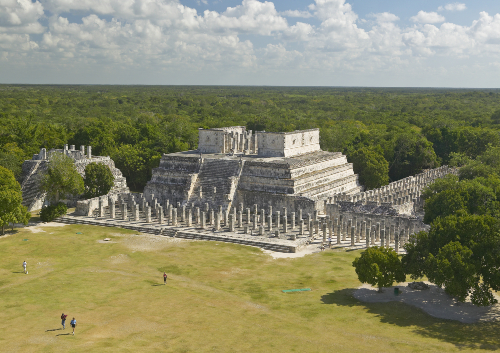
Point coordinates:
[[287, 144]]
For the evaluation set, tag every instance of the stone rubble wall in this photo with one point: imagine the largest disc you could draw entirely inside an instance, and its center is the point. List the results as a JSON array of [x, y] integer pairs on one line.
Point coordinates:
[[33, 170]]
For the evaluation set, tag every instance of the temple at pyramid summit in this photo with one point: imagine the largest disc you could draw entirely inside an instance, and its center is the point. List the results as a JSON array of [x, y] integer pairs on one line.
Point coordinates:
[[234, 166]]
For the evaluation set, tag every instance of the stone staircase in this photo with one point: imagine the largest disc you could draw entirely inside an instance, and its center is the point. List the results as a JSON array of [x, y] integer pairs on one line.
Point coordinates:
[[219, 174], [31, 184]]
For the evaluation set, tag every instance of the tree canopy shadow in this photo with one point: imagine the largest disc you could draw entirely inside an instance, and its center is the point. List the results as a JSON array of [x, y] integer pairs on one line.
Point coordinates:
[[482, 335]]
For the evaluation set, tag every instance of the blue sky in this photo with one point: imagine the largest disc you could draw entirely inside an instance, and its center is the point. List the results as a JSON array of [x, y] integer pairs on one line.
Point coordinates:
[[419, 43]]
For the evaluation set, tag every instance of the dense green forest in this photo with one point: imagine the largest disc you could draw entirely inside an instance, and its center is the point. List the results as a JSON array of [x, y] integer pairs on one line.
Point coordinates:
[[392, 133]]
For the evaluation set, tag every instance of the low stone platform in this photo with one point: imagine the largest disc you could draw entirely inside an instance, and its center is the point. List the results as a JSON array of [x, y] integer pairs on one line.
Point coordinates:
[[264, 242]]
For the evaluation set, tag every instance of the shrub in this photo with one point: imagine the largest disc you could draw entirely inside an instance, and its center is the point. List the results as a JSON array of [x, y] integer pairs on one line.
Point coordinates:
[[51, 212]]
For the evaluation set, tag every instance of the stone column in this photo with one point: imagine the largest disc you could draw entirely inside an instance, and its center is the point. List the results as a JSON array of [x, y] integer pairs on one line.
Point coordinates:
[[189, 217], [343, 231], [324, 232], [111, 204], [231, 223], [278, 216], [170, 212], [378, 232], [311, 231], [197, 215], [101, 208], [309, 221], [391, 234], [293, 220], [349, 225], [203, 220], [183, 214], [315, 215], [363, 229], [396, 242], [160, 214], [285, 223], [261, 230], [373, 235], [337, 223], [124, 211], [358, 231], [240, 219], [255, 210], [301, 226], [136, 213], [248, 215], [300, 213], [255, 221], [367, 237], [263, 217], [353, 230], [211, 217], [148, 214], [270, 222], [382, 237], [217, 221], [226, 218], [174, 217]]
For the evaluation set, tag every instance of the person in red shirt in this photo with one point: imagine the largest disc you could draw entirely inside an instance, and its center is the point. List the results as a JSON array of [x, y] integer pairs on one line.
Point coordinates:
[[164, 278], [63, 320]]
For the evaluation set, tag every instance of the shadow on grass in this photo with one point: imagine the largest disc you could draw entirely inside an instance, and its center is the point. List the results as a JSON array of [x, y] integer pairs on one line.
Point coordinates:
[[157, 284], [17, 271], [482, 335], [54, 329], [64, 334]]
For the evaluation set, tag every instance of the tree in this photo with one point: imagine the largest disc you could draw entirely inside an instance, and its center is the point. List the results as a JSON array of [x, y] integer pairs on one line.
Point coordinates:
[[98, 180], [412, 154], [379, 266], [461, 253], [11, 208], [61, 178], [371, 166]]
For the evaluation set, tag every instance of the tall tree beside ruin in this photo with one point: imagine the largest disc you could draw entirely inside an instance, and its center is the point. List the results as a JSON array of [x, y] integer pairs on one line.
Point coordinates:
[[379, 266], [371, 166], [11, 209], [98, 180], [61, 178]]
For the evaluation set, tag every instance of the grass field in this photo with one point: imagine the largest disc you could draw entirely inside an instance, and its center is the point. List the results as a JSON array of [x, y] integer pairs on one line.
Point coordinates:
[[219, 298]]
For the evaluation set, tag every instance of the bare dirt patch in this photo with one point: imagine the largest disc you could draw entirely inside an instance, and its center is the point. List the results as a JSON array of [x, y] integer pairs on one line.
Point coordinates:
[[147, 242], [434, 301], [37, 228]]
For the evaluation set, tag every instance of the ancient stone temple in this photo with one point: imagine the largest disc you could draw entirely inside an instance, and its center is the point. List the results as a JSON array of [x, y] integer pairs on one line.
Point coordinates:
[[233, 166], [33, 169]]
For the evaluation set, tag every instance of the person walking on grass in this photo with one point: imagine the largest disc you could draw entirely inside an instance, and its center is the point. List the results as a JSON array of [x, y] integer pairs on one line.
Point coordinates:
[[164, 278], [24, 267], [63, 320], [73, 324]]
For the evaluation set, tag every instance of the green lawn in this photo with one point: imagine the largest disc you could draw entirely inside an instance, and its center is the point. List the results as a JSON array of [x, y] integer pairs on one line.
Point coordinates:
[[219, 298]]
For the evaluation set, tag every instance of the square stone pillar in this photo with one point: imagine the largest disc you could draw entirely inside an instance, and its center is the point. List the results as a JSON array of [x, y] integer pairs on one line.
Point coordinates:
[[324, 232], [124, 211], [301, 226], [112, 212], [170, 213], [285, 224], [391, 234], [255, 210], [231, 223], [148, 214], [255, 221], [278, 216], [211, 217], [197, 215], [136, 213], [378, 232], [183, 214], [270, 222], [226, 218], [101, 208], [174, 217], [353, 230], [337, 224], [203, 220], [217, 221], [189, 218], [309, 221], [240, 219], [363, 230], [207, 207], [396, 242], [261, 230], [358, 231], [382, 237], [248, 216], [293, 220], [373, 235], [300, 214], [263, 217], [160, 214], [349, 225], [311, 230]]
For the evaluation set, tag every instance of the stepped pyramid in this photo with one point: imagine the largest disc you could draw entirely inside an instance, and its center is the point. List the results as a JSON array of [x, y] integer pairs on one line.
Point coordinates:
[[233, 166], [33, 169]]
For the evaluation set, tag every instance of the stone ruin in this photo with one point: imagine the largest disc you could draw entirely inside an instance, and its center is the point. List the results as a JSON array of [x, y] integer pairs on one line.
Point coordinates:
[[273, 190], [233, 165], [32, 172]]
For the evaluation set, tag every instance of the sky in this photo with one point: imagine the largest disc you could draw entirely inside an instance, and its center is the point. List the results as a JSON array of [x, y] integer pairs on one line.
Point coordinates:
[[385, 43]]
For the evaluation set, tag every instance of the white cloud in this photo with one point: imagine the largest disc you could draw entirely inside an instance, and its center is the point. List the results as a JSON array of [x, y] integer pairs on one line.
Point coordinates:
[[453, 7], [385, 17], [427, 17], [296, 13], [20, 16], [166, 36]]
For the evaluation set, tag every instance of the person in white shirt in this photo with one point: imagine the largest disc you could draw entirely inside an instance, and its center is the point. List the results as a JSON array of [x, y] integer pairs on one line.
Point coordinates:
[[24, 267]]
